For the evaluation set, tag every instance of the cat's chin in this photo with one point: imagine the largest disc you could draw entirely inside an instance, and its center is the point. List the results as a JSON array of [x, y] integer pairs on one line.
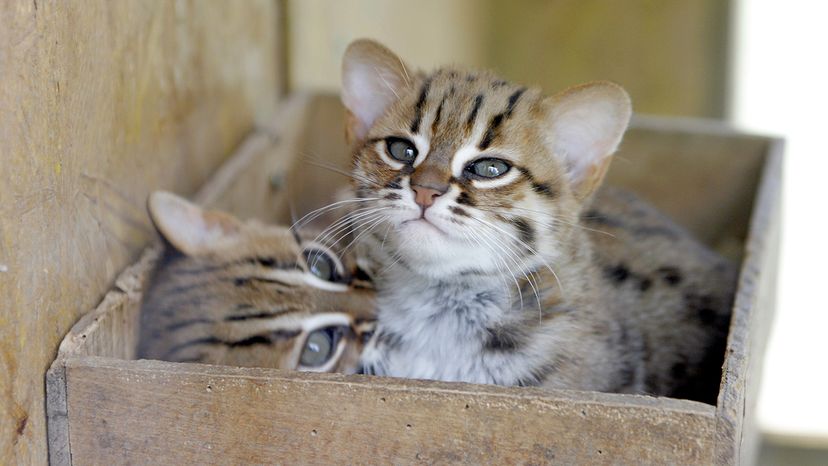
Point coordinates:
[[431, 251]]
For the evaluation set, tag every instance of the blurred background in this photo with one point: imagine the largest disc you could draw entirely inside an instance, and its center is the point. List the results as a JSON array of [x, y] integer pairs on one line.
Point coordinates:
[[759, 65], [101, 102]]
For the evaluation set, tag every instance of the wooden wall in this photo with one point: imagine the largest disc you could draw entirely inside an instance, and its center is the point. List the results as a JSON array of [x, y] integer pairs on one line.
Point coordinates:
[[670, 54], [101, 102]]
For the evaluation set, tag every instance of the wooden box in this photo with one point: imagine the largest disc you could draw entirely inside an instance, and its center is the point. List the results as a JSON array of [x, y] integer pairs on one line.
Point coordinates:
[[105, 407]]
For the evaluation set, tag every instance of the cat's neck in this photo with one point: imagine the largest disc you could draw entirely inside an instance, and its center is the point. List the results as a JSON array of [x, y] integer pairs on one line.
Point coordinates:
[[505, 294]]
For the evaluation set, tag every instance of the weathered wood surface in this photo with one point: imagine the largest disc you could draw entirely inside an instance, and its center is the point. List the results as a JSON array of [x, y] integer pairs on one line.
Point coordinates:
[[277, 410], [101, 102], [736, 430], [150, 412]]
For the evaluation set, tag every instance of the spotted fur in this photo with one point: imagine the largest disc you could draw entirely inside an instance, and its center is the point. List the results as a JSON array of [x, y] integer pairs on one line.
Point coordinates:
[[503, 279], [241, 293]]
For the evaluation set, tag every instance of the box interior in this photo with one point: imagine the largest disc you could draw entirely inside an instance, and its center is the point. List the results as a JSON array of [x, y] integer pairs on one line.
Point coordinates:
[[704, 176]]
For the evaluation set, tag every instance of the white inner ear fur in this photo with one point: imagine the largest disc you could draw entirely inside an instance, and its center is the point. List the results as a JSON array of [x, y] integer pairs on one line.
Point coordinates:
[[187, 226], [372, 79], [586, 125]]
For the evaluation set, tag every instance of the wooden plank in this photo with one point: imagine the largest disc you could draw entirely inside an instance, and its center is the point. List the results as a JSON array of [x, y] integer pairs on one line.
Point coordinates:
[[221, 415], [736, 432], [100, 103]]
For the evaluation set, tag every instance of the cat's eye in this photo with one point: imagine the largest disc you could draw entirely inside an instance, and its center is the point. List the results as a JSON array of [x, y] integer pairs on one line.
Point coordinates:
[[401, 149], [321, 346], [488, 168], [321, 265]]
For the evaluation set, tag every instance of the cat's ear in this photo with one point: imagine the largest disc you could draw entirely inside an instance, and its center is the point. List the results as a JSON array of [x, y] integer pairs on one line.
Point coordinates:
[[373, 77], [189, 228], [584, 127]]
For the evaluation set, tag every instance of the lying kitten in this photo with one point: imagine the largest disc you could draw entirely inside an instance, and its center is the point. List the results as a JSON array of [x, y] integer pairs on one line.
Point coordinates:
[[481, 239], [247, 294]]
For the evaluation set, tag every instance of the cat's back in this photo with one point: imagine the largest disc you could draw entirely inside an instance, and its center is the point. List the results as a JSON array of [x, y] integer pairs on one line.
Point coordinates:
[[675, 289]]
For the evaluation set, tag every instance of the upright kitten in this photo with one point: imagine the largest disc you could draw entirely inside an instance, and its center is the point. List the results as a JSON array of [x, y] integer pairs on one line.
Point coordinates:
[[248, 294], [486, 264]]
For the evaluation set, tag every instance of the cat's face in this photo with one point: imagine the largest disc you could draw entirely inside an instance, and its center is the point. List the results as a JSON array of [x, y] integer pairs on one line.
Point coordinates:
[[249, 294], [469, 172]]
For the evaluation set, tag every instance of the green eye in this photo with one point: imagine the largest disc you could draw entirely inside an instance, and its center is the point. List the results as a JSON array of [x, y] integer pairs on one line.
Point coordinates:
[[401, 149], [320, 346], [488, 168], [321, 265]]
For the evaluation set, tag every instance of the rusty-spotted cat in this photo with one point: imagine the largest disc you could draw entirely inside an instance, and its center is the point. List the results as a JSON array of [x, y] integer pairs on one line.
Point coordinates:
[[484, 243], [249, 294]]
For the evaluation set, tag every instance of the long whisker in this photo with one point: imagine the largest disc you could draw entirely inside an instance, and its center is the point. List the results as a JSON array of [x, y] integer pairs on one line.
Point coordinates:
[[344, 220], [310, 216], [520, 264], [479, 240], [369, 228], [346, 226], [522, 243], [501, 275], [348, 232]]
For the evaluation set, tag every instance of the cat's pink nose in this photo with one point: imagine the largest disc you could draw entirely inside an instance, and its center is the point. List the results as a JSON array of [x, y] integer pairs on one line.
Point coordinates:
[[424, 197]]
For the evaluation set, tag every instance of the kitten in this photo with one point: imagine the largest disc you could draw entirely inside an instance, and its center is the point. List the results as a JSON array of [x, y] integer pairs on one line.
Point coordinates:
[[248, 294], [483, 246]]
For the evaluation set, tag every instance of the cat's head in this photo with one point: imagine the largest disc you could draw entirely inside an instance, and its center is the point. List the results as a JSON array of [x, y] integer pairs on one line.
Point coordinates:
[[249, 294], [472, 172]]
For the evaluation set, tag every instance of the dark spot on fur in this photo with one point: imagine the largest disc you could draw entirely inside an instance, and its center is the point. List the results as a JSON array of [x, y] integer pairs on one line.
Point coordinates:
[[459, 211], [593, 216], [394, 184], [617, 274], [392, 197], [499, 83], [645, 284], [407, 169], [504, 339], [703, 307], [465, 199], [671, 275], [544, 190], [240, 281], [266, 261], [525, 230]]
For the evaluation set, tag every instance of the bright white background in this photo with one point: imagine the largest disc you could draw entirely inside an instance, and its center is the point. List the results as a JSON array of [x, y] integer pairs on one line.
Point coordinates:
[[780, 86]]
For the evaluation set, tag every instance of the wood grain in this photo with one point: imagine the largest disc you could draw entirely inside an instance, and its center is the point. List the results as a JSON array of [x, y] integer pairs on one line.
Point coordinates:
[[221, 415], [100, 103], [737, 432]]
